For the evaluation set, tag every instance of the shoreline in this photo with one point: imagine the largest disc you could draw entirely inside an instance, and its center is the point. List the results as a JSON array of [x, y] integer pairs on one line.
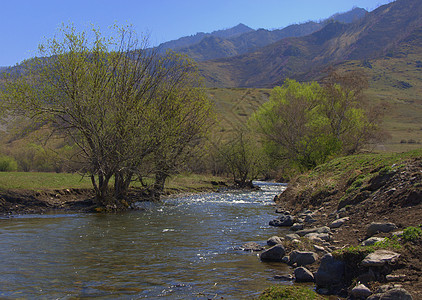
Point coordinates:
[[338, 216]]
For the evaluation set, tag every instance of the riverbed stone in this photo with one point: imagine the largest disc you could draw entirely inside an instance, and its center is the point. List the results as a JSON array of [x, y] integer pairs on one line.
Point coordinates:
[[376, 227], [252, 246], [361, 291], [330, 273], [396, 294], [339, 222], [283, 220], [275, 253], [284, 277], [292, 236], [379, 258], [274, 240], [296, 227], [318, 236], [302, 258], [323, 229], [309, 219], [280, 210], [303, 275], [372, 240], [321, 249]]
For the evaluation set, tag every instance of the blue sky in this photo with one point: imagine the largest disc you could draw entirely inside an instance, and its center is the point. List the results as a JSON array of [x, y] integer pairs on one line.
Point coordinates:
[[26, 23]]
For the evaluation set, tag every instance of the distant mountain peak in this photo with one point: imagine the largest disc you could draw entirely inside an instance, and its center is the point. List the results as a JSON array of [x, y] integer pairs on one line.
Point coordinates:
[[196, 38]]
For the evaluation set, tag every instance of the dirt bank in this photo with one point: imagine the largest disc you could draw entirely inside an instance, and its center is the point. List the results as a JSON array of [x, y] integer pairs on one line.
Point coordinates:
[[365, 190]]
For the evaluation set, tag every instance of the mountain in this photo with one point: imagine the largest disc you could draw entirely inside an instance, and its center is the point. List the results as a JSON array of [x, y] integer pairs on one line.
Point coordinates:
[[348, 17], [194, 39], [216, 45], [376, 35]]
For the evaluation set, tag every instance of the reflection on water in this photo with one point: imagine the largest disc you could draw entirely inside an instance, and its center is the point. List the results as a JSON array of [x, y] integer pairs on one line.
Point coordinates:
[[183, 248]]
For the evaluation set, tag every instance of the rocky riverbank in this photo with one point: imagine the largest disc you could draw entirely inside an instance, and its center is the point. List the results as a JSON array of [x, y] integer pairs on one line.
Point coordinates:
[[354, 229]]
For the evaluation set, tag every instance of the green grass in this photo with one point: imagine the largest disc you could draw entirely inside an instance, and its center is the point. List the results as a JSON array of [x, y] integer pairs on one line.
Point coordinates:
[[362, 163], [52, 181], [292, 292], [42, 181]]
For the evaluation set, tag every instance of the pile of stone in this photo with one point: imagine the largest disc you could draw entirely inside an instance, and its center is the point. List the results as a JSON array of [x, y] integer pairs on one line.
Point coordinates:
[[329, 272]]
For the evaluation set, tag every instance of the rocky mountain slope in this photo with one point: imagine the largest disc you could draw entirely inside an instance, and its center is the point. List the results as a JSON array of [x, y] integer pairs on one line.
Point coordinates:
[[242, 39], [376, 35]]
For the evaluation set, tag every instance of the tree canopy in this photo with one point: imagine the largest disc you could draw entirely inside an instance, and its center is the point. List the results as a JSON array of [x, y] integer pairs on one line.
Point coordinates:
[[304, 124], [128, 110]]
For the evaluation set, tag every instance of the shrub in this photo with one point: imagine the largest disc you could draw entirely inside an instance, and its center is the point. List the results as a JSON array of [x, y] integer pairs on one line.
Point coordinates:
[[412, 233], [289, 292], [8, 164]]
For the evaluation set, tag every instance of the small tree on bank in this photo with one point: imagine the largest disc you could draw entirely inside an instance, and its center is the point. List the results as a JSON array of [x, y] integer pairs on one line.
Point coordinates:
[[121, 103]]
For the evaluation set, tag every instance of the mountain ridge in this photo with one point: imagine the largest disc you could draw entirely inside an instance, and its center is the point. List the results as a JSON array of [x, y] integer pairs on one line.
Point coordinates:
[[373, 36], [242, 39]]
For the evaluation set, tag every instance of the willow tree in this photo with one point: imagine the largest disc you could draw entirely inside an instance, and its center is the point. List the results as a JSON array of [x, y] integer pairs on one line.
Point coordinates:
[[304, 124], [111, 96]]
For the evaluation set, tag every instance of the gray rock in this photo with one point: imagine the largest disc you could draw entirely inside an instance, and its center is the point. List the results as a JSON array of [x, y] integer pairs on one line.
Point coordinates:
[[283, 220], [397, 233], [304, 232], [252, 246], [309, 219], [361, 291], [296, 227], [379, 258], [396, 294], [375, 227], [397, 277], [318, 236], [274, 240], [282, 211], [339, 222], [285, 259], [374, 297], [303, 275], [275, 253], [320, 249], [292, 236], [330, 273], [302, 258], [284, 277], [384, 288], [372, 240], [342, 212]]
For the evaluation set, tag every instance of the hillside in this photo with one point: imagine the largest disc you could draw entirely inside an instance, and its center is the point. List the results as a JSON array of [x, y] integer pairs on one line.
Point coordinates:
[[355, 198], [374, 36]]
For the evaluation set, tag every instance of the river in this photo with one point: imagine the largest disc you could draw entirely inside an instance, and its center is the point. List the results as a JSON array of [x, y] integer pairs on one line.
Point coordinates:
[[182, 248]]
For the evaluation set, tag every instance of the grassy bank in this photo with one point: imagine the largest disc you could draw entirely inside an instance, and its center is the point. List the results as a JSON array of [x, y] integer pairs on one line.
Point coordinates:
[[36, 181], [350, 180]]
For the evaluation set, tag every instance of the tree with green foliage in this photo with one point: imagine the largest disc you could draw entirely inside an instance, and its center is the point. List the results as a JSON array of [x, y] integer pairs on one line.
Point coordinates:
[[304, 124], [118, 100]]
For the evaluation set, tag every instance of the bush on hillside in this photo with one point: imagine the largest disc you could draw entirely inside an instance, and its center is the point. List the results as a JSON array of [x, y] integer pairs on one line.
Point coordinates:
[[8, 164]]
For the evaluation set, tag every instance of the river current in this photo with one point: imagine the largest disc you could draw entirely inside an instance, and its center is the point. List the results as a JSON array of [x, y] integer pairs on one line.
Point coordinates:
[[182, 248]]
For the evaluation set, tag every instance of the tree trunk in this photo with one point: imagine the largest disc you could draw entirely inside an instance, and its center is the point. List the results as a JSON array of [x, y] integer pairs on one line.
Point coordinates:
[[158, 187]]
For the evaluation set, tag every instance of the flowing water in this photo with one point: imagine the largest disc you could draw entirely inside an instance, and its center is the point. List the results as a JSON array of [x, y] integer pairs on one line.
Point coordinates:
[[182, 248]]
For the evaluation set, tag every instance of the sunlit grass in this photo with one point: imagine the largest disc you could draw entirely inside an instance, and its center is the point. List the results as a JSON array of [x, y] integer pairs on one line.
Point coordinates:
[[59, 181]]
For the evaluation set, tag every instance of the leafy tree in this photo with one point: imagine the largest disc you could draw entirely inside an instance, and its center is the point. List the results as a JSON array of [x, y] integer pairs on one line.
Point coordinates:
[[243, 157], [115, 98], [304, 124]]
